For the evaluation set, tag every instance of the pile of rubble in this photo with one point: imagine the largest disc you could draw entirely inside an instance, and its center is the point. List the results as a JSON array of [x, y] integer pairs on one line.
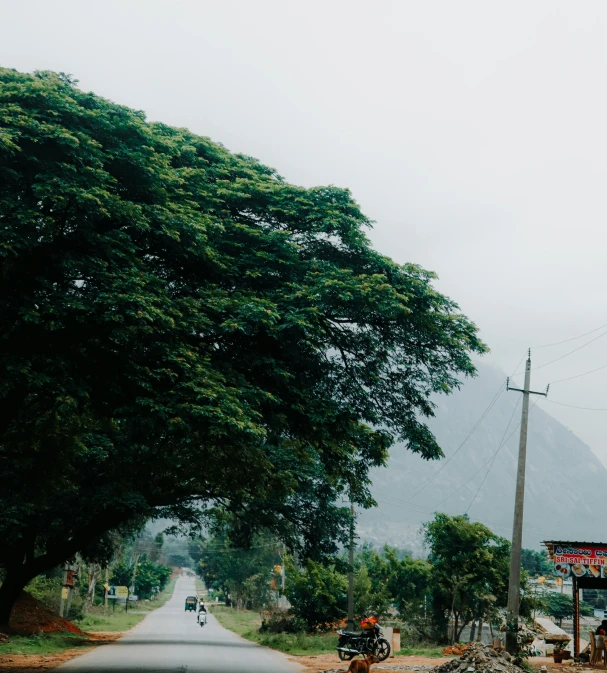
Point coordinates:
[[480, 659]]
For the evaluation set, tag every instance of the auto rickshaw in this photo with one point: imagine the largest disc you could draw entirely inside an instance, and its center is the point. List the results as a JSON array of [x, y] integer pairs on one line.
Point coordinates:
[[191, 603]]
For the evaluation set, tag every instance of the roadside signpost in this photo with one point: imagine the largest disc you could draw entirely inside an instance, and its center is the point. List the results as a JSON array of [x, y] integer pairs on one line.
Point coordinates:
[[116, 593]]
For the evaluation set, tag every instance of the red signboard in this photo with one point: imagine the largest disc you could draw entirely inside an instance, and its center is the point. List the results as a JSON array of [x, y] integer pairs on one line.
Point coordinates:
[[580, 561]]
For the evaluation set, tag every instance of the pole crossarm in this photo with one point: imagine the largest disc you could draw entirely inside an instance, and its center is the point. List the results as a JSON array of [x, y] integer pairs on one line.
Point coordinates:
[[522, 390]]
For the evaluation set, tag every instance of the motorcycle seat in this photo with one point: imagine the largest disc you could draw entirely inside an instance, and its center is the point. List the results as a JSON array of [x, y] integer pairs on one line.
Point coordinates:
[[358, 634]]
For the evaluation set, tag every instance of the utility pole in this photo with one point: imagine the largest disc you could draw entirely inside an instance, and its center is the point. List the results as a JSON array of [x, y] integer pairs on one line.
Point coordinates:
[[283, 572], [514, 585], [107, 584], [351, 573], [64, 590]]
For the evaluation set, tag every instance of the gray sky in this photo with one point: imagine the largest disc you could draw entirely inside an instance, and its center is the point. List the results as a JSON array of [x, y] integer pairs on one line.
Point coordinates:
[[474, 133]]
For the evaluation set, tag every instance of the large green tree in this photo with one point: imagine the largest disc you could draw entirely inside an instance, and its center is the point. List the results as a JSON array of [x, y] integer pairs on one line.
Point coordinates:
[[469, 572], [182, 331]]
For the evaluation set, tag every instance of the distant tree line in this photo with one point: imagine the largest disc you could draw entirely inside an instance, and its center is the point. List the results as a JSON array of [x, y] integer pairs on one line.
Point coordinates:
[[463, 581]]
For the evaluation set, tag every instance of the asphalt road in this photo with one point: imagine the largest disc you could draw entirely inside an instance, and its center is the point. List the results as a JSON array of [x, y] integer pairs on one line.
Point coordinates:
[[169, 639]]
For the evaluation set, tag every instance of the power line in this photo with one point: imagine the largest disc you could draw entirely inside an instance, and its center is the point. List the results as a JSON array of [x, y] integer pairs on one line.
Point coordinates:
[[572, 406], [479, 471], [579, 336], [490, 459], [503, 443], [494, 457], [490, 406], [577, 376], [433, 476], [570, 352]]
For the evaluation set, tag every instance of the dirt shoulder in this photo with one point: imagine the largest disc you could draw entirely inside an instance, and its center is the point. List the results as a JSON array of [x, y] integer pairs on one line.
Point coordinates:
[[34, 663], [331, 662]]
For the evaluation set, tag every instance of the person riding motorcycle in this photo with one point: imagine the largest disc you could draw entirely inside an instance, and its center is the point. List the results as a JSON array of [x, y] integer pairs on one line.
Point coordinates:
[[202, 613]]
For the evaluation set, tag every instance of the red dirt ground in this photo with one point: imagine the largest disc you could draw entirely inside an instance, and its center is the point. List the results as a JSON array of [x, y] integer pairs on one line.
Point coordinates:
[[31, 616]]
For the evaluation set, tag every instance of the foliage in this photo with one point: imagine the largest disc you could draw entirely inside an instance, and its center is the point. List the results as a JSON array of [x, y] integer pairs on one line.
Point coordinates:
[[244, 574], [150, 577], [47, 588], [279, 622], [186, 335], [317, 593], [560, 606], [247, 624], [372, 594], [175, 551], [394, 577], [536, 563], [470, 570]]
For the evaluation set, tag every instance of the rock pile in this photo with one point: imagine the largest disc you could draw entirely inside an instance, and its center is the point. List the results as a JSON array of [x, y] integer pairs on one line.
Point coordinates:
[[480, 659]]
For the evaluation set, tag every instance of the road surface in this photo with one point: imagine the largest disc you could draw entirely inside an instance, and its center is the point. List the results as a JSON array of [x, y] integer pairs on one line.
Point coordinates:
[[170, 640]]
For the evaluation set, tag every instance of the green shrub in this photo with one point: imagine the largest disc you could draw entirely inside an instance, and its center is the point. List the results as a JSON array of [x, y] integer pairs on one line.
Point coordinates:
[[281, 623]]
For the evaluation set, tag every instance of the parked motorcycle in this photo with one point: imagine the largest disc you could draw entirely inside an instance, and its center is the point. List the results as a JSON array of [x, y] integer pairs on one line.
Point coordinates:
[[367, 641]]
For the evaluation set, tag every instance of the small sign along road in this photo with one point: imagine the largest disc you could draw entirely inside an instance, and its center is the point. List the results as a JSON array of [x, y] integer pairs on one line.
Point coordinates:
[[170, 640]]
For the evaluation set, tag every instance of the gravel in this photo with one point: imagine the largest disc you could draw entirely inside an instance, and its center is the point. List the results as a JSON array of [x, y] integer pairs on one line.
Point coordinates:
[[478, 659]]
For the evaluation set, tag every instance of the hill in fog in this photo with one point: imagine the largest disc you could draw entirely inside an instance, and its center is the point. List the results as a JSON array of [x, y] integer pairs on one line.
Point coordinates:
[[565, 480]]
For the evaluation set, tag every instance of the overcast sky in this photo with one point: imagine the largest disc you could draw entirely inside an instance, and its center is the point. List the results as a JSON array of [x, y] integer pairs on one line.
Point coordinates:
[[473, 132]]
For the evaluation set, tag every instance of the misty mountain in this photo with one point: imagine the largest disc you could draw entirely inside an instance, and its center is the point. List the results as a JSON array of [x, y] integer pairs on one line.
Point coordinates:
[[565, 480]]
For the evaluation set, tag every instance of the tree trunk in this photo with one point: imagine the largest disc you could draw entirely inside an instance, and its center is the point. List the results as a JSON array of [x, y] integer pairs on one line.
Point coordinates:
[[132, 587], [93, 573], [14, 583], [460, 631], [71, 590], [479, 638], [472, 630]]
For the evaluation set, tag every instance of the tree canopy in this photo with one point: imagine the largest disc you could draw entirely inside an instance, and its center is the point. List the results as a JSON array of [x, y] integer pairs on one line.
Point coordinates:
[[183, 331], [470, 571], [536, 563]]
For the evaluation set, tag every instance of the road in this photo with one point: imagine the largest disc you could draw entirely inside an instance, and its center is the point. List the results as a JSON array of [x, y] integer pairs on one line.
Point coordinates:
[[169, 639]]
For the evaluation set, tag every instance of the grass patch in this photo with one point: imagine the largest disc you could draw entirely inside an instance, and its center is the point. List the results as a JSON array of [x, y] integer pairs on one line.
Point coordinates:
[[297, 643], [432, 651], [246, 624], [43, 643], [239, 621], [119, 620], [96, 620]]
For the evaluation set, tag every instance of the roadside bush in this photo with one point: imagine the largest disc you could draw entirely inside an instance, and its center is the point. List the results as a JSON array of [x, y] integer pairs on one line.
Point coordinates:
[[282, 623], [317, 594]]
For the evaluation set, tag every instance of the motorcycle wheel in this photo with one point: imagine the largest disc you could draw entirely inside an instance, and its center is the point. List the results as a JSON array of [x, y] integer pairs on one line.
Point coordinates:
[[381, 649], [344, 656]]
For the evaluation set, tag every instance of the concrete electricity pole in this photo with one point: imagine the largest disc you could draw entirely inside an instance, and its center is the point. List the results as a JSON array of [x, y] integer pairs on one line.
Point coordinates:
[[64, 589], [351, 573], [514, 586]]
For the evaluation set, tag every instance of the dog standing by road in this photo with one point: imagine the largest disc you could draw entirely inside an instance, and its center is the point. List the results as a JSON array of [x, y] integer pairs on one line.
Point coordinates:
[[362, 665]]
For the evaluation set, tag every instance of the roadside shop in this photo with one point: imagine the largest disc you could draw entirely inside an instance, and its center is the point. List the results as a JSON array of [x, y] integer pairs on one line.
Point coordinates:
[[585, 563]]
